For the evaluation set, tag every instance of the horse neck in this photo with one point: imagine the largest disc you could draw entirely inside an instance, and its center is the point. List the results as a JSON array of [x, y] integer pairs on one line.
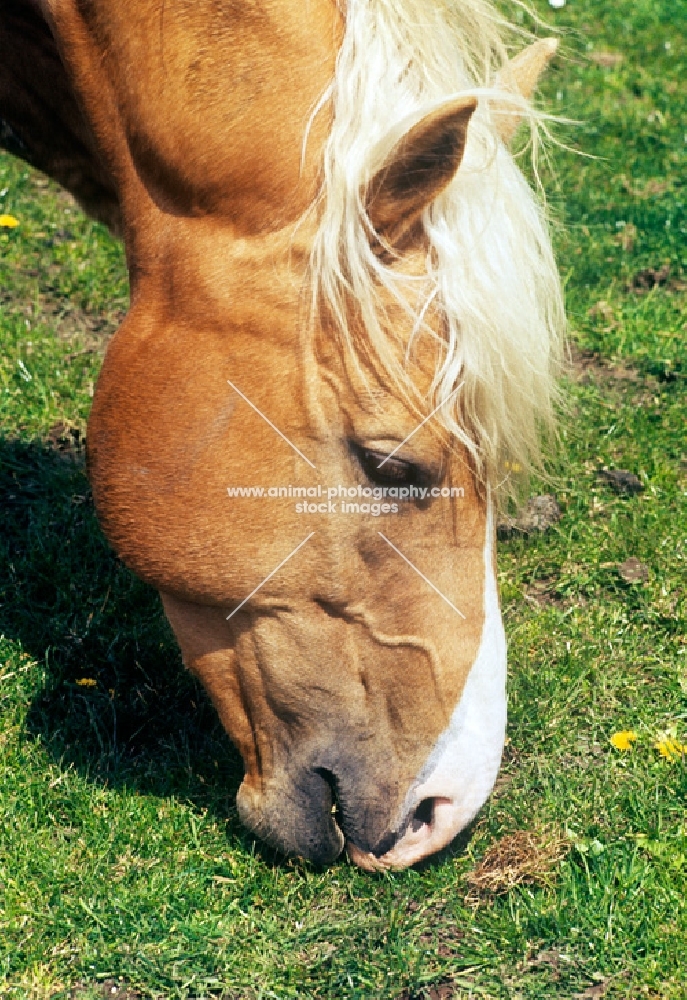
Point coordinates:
[[201, 110]]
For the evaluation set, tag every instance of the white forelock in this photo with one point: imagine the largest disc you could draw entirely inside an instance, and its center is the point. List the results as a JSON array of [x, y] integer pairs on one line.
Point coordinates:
[[490, 267]]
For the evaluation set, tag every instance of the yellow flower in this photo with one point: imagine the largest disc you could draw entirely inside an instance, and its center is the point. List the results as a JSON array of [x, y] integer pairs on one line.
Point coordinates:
[[8, 221], [623, 740], [87, 682], [670, 748]]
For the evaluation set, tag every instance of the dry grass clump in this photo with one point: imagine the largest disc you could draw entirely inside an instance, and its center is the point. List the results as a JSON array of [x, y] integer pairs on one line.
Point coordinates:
[[521, 858]]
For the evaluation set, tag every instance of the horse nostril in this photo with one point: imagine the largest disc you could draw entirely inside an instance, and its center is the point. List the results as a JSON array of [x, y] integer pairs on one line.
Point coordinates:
[[423, 815]]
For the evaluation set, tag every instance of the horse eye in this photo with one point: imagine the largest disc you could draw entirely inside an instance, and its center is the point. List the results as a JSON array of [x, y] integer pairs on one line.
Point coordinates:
[[385, 471]]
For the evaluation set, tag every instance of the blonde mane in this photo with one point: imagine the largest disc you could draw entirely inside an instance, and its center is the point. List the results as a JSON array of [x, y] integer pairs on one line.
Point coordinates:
[[489, 266]]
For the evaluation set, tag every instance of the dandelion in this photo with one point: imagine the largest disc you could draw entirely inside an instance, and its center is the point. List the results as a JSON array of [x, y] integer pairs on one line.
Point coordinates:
[[87, 682], [670, 748], [623, 740], [8, 221]]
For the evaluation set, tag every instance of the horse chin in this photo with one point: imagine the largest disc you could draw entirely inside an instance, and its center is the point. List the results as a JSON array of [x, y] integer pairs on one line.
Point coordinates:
[[282, 820]]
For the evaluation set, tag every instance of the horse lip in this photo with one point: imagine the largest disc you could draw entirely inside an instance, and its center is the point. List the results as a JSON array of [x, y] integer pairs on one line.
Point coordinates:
[[365, 860], [428, 827], [374, 860], [316, 835]]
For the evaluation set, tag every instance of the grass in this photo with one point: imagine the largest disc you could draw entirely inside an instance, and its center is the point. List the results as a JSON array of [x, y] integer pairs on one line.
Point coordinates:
[[121, 858]]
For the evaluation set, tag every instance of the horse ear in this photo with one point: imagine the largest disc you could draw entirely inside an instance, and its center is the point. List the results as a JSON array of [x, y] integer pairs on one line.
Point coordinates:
[[418, 168], [520, 76]]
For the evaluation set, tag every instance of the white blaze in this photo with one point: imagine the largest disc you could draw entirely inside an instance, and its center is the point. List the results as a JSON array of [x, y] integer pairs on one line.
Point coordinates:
[[461, 770]]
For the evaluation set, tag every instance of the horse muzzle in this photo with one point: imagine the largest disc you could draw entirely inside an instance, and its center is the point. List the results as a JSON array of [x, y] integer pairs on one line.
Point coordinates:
[[312, 815]]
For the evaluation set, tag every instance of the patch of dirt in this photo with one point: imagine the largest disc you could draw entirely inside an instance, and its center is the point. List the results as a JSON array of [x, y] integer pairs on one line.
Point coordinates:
[[633, 571], [539, 514], [549, 958], [543, 592], [656, 277], [520, 858], [594, 992], [39, 299], [68, 321], [444, 937], [587, 756], [653, 188], [627, 237], [501, 785], [601, 310], [606, 59], [444, 990], [441, 992], [621, 481], [586, 366], [111, 989]]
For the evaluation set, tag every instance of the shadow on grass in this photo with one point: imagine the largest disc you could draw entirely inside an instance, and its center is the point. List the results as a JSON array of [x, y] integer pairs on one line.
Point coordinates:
[[140, 721]]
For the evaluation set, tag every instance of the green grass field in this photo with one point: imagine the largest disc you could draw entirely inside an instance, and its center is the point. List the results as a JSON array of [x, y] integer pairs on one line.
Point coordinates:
[[124, 870]]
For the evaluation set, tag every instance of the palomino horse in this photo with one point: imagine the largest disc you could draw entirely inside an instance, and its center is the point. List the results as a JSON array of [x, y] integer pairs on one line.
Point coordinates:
[[344, 325]]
